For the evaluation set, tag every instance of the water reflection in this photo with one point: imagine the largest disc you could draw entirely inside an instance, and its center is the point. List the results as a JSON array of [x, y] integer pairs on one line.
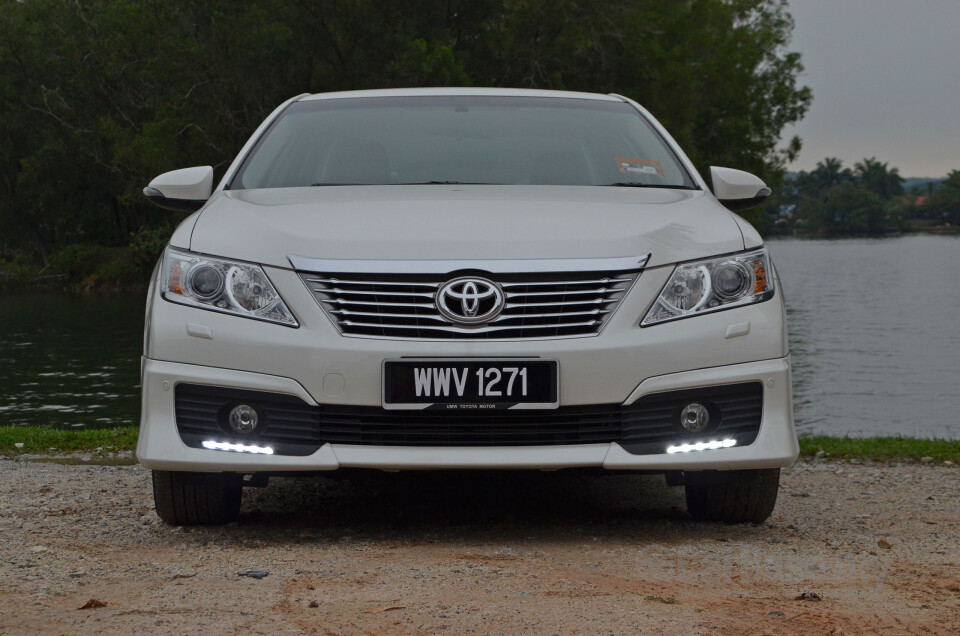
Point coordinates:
[[873, 333], [70, 360]]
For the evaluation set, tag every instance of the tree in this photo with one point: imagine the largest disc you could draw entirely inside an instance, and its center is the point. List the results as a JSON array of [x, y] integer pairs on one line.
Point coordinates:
[[99, 96], [885, 182], [828, 173], [944, 204], [850, 209]]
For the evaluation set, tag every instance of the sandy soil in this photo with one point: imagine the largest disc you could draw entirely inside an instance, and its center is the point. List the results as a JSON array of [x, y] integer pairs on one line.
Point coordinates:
[[874, 549]]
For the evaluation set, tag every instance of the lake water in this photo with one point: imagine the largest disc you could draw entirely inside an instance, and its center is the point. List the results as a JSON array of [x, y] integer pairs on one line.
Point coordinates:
[[873, 335], [70, 360]]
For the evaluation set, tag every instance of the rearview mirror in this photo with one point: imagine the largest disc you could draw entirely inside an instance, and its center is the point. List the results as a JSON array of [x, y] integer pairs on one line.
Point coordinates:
[[738, 190], [185, 189]]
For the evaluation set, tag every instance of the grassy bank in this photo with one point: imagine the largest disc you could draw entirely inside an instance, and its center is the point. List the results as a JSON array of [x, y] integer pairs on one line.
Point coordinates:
[[16, 440], [881, 448]]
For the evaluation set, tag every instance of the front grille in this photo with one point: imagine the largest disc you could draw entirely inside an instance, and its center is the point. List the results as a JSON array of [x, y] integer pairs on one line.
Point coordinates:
[[404, 306], [292, 427]]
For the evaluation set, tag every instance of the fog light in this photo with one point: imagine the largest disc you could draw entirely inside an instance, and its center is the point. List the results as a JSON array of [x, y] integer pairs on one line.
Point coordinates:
[[694, 417], [243, 419]]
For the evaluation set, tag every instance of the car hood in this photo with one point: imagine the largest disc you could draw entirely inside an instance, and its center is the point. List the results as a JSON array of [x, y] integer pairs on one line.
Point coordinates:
[[461, 222]]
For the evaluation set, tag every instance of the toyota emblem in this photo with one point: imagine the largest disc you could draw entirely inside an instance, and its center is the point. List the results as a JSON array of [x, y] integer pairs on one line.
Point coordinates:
[[470, 300]]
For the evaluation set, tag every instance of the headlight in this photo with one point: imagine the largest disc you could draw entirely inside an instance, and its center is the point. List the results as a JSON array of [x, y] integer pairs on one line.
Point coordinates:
[[720, 283], [213, 283]]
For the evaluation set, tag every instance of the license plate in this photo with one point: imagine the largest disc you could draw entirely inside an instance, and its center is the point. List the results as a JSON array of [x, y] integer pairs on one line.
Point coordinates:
[[470, 385]]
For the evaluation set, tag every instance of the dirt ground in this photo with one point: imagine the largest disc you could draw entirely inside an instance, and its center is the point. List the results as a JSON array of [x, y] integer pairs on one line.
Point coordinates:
[[866, 548]]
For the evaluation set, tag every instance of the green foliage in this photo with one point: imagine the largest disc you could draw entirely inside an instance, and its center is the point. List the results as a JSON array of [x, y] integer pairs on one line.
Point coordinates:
[[35, 439], [850, 208], [885, 182], [881, 448], [94, 266], [944, 204], [80, 260], [833, 200], [147, 244], [100, 96]]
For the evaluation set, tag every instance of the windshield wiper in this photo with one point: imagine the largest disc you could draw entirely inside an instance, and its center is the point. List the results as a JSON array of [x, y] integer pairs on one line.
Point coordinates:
[[635, 184]]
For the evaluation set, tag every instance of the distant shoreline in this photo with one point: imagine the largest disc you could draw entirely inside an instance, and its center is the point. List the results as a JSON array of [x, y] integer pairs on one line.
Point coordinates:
[[914, 227]]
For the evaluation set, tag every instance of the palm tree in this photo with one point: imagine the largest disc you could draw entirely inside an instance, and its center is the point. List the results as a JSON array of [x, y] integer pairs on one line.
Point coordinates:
[[876, 176]]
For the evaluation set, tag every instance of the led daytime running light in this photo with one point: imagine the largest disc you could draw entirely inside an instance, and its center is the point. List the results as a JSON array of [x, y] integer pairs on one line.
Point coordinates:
[[237, 448], [701, 446]]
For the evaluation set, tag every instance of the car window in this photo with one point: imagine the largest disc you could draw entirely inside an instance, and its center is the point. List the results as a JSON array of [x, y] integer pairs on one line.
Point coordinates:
[[460, 139]]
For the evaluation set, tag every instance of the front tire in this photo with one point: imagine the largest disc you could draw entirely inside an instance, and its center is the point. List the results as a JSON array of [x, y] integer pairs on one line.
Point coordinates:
[[187, 499], [735, 497]]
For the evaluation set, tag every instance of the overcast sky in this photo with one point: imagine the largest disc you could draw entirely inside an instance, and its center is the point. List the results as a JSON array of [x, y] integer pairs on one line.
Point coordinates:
[[885, 76]]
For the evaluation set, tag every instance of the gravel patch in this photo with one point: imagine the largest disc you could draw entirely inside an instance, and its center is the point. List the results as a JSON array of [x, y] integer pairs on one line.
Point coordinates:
[[850, 549]]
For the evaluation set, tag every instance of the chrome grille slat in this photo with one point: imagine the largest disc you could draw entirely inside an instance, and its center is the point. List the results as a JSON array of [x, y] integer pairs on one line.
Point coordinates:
[[596, 301], [558, 314], [355, 292], [598, 281], [577, 292], [340, 301], [536, 305], [370, 283]]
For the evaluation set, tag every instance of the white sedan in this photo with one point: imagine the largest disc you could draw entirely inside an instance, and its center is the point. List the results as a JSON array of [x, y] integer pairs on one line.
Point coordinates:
[[464, 279]]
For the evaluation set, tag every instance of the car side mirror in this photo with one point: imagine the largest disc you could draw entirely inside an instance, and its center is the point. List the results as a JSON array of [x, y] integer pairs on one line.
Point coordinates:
[[186, 189], [738, 190]]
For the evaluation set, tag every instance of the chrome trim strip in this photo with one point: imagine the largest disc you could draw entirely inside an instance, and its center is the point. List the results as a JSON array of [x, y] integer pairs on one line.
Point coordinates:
[[364, 292], [500, 318], [467, 330], [496, 266]]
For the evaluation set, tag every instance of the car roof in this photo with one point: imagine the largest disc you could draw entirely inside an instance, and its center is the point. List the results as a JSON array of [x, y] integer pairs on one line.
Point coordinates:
[[494, 92]]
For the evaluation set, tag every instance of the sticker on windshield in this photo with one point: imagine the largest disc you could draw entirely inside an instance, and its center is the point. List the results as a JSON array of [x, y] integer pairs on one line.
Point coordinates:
[[640, 167]]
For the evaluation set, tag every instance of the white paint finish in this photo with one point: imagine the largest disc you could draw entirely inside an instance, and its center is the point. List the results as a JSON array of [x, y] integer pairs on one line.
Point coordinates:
[[501, 458], [199, 331], [464, 222], [191, 184], [181, 235], [751, 238], [334, 384], [737, 329], [732, 185]]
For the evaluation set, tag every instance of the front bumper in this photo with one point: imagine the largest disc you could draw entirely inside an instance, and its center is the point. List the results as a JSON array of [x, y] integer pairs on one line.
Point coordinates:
[[160, 446]]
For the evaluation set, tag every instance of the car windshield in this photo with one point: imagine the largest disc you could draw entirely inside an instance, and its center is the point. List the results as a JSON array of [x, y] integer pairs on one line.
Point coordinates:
[[464, 139]]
